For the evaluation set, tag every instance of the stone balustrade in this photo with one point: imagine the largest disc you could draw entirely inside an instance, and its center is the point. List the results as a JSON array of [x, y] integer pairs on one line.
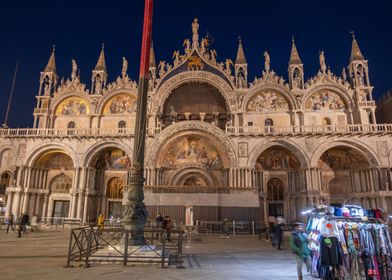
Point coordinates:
[[231, 131]]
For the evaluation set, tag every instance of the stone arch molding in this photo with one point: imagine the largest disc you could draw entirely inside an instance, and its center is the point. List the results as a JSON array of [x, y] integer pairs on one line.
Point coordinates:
[[360, 147], [199, 77], [36, 153], [189, 169], [297, 151], [167, 133]]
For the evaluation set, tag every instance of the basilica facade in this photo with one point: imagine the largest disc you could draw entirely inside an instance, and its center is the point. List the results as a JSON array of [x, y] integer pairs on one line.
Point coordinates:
[[218, 144]]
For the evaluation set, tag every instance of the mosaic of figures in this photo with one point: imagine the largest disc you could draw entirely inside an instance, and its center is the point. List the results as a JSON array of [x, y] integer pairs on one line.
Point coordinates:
[[121, 104], [55, 160], [325, 101], [113, 159], [192, 149], [277, 159], [342, 159], [73, 106], [267, 101]]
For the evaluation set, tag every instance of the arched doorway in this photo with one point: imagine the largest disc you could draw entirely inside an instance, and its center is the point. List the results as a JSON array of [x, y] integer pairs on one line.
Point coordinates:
[[278, 170], [195, 101], [53, 171], [5, 181], [114, 194], [275, 197], [344, 171], [61, 185], [111, 166]]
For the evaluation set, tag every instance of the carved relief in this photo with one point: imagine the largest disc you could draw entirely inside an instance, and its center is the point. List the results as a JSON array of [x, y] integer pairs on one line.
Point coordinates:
[[267, 101], [242, 149], [382, 148]]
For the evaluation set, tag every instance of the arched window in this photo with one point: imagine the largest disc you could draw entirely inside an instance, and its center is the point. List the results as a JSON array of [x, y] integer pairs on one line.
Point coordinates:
[[269, 122], [62, 184], [71, 128], [121, 126], [5, 181]]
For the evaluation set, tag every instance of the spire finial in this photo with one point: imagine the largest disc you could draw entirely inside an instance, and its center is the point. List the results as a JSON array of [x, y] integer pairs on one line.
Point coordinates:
[[51, 66], [294, 55], [356, 53], [101, 63], [240, 53], [103, 45]]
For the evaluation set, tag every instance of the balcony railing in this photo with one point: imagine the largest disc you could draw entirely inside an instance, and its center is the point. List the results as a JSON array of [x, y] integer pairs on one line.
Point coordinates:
[[246, 130], [197, 189], [311, 129], [367, 103]]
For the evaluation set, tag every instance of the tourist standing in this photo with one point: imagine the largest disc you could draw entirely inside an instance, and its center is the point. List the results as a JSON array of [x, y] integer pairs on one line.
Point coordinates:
[[101, 221], [225, 227], [299, 247]]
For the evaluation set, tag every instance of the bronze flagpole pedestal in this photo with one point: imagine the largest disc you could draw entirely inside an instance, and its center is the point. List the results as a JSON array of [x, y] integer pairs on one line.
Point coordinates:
[[134, 211]]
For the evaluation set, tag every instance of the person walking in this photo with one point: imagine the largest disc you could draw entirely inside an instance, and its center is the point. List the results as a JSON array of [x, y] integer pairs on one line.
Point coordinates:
[[299, 247], [18, 226], [279, 232], [10, 223], [159, 220], [24, 222]]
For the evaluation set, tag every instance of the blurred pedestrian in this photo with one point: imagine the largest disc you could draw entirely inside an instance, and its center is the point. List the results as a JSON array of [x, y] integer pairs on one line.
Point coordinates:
[[225, 227], [9, 221], [299, 247], [101, 221]]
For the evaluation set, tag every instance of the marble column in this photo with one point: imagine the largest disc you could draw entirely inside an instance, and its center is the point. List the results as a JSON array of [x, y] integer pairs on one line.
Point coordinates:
[[10, 196]]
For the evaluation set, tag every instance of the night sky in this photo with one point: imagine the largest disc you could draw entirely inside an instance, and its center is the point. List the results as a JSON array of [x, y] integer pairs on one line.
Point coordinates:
[[29, 29]]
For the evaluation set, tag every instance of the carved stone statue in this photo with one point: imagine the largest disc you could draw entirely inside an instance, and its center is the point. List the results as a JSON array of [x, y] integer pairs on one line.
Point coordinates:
[[161, 68], [228, 63], [173, 114], [176, 58], [323, 66], [187, 45], [74, 69], [124, 67], [267, 62], [195, 31], [344, 75], [213, 55]]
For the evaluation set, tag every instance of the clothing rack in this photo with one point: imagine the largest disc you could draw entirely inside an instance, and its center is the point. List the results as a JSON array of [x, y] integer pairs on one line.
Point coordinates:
[[353, 252]]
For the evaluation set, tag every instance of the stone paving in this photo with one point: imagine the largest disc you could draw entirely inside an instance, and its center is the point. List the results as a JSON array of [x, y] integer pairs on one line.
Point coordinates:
[[42, 255]]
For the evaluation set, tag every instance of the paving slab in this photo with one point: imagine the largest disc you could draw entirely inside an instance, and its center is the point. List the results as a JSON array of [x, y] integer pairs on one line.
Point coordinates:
[[42, 255]]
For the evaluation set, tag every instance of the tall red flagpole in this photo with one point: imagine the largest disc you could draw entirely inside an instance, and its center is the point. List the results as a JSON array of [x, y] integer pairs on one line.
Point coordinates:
[[135, 213]]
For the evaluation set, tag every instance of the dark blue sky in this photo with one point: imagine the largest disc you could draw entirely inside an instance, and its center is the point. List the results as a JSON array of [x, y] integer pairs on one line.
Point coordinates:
[[29, 28]]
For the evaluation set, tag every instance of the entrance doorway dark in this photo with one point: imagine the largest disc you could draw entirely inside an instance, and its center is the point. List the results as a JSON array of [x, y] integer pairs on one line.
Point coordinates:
[[60, 210], [115, 209], [275, 197]]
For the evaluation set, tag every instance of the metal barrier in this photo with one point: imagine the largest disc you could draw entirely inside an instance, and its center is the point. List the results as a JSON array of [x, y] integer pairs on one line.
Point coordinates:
[[234, 227], [114, 245]]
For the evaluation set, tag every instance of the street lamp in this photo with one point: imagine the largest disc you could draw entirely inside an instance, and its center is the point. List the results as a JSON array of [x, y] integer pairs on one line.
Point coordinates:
[[134, 211]]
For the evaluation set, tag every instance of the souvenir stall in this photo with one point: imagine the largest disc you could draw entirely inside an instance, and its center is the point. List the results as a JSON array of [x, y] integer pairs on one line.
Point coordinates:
[[349, 243]]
